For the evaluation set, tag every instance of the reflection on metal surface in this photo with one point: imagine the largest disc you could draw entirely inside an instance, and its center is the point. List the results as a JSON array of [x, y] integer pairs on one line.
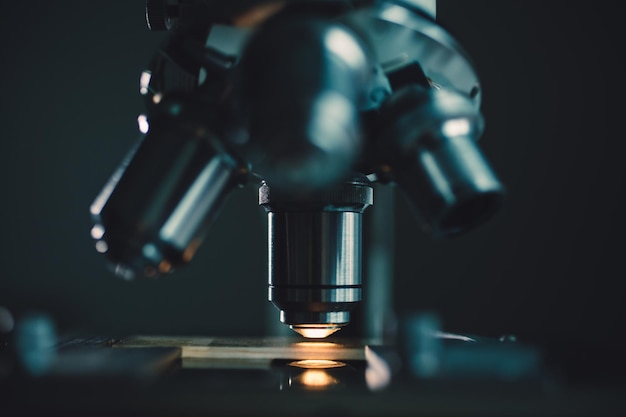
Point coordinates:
[[315, 379], [342, 43], [144, 82], [205, 192], [456, 127], [142, 122], [399, 34], [315, 331], [317, 364], [97, 231], [378, 372], [101, 246], [452, 336], [165, 267]]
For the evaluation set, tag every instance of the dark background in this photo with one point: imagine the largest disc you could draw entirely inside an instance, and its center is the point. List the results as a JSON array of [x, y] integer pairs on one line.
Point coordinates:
[[548, 268]]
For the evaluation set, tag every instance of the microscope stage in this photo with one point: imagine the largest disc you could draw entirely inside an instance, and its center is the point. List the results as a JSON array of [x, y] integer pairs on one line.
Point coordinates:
[[175, 375], [248, 353]]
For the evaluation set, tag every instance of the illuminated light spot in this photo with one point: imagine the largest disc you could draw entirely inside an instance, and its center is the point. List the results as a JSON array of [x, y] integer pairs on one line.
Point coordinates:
[[456, 127], [142, 121], [377, 373], [317, 364], [315, 331], [97, 232], [165, 267], [101, 246], [327, 345], [144, 82], [156, 99], [315, 379]]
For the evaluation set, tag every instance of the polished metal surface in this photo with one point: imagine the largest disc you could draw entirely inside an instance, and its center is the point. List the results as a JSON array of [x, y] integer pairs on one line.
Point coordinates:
[[191, 212], [157, 206], [434, 156], [315, 246], [400, 36], [315, 265], [315, 249]]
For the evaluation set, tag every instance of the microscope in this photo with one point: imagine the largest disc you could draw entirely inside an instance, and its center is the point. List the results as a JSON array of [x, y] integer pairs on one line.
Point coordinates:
[[314, 102]]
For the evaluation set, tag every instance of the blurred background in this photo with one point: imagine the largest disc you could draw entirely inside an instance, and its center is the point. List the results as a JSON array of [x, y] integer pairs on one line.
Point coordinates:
[[548, 268]]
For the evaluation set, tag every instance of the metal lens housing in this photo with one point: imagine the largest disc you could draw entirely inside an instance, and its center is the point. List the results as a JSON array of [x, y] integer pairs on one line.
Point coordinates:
[[315, 255], [430, 138], [155, 210]]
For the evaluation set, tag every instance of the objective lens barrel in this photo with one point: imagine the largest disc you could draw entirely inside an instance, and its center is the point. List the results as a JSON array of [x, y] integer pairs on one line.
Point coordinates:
[[315, 265], [155, 210], [428, 137], [452, 186], [315, 253]]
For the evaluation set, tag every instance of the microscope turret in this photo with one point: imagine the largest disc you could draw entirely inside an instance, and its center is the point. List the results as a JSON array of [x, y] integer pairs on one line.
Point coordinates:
[[313, 101]]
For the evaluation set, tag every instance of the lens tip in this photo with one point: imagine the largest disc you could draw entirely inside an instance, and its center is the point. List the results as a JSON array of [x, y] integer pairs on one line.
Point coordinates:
[[315, 331]]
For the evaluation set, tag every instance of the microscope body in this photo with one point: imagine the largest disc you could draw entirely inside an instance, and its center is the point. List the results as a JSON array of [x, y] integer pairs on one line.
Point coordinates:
[[313, 101]]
